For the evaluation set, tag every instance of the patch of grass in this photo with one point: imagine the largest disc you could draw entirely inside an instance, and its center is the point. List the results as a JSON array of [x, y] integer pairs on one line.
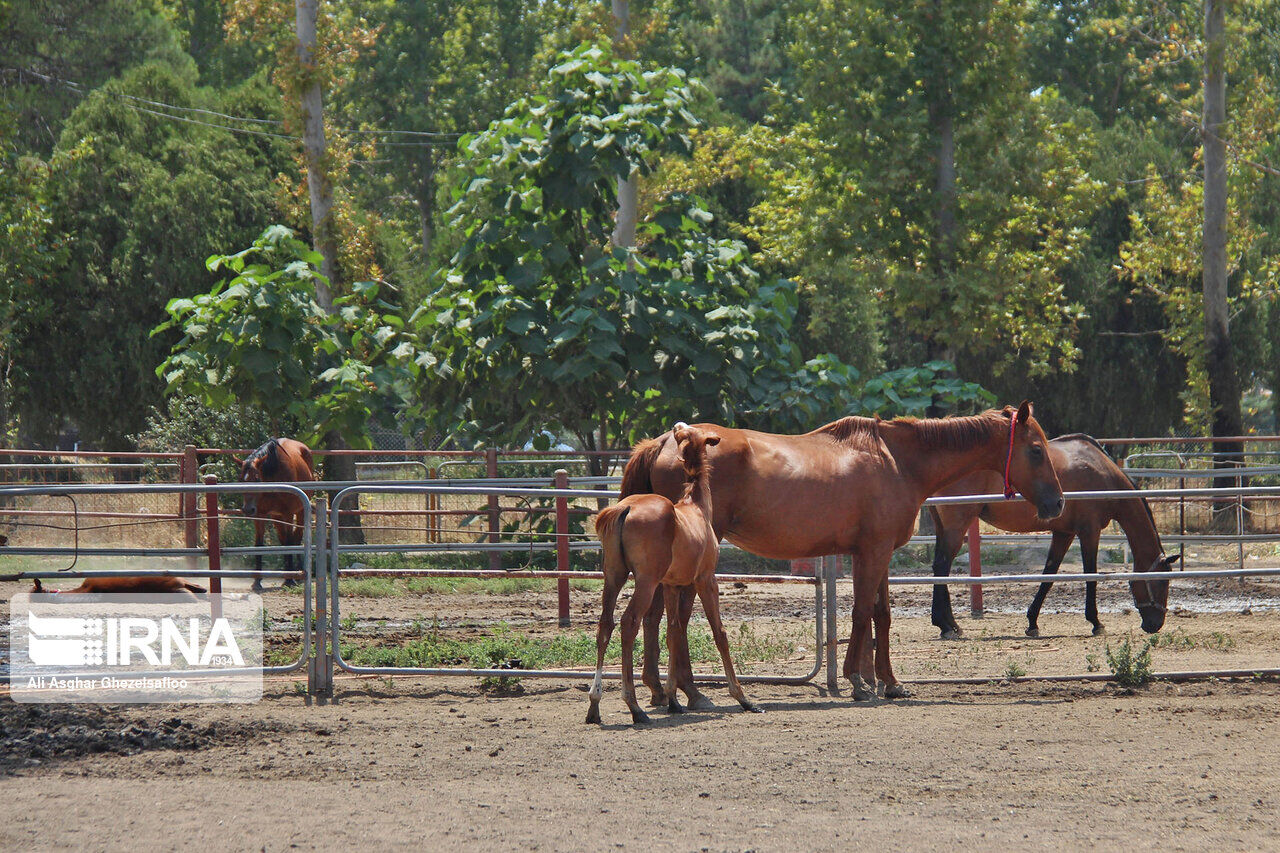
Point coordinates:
[[1220, 642], [1129, 667], [1091, 663], [1176, 640], [1014, 670], [503, 647], [371, 587]]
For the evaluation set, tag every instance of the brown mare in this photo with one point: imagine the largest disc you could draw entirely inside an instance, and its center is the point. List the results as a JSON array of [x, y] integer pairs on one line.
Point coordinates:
[[667, 544], [141, 583], [1082, 466], [280, 460], [854, 487]]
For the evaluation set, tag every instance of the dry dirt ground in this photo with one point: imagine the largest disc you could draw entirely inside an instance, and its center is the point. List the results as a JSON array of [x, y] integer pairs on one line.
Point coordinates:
[[435, 763]]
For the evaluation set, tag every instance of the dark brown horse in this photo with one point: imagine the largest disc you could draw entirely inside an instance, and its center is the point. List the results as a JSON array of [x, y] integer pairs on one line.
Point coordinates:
[[1082, 466], [854, 487], [280, 460], [662, 544]]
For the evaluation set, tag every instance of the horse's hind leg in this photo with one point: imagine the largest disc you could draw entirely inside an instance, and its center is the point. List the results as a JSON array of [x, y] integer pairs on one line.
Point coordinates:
[[1057, 550], [893, 688], [631, 618], [676, 638], [949, 531], [604, 631], [649, 674], [683, 664], [293, 537], [865, 585], [710, 595]]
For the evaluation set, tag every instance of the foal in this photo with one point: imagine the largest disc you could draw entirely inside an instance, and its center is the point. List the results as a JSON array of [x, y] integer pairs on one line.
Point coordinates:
[[665, 543]]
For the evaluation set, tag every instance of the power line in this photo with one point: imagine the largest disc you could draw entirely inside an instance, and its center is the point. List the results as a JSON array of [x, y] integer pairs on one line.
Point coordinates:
[[437, 138]]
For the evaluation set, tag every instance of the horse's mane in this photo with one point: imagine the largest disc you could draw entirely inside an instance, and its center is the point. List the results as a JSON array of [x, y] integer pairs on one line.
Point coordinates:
[[956, 433], [701, 477], [261, 451], [853, 430]]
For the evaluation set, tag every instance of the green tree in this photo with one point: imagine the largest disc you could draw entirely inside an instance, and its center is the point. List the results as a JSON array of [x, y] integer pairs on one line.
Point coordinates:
[[146, 195], [260, 339]]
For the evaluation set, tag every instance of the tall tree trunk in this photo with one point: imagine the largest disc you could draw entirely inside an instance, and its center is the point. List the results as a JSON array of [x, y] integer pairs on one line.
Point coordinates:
[[624, 227], [941, 110], [313, 146], [1220, 362]]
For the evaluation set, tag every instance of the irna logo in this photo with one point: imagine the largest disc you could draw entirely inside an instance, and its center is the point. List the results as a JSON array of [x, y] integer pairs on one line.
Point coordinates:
[[129, 640]]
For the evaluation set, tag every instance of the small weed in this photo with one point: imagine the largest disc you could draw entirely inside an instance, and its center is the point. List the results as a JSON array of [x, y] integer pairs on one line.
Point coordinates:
[[1220, 642], [1130, 668], [299, 688], [1176, 640], [1014, 670], [1091, 662], [348, 622]]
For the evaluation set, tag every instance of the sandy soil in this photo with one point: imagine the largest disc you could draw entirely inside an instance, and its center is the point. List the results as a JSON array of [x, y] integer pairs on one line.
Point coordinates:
[[437, 763]]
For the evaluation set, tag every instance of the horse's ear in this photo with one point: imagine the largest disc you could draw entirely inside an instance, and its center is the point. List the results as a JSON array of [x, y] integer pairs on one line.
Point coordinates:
[[1167, 563], [713, 440], [1025, 411], [237, 461]]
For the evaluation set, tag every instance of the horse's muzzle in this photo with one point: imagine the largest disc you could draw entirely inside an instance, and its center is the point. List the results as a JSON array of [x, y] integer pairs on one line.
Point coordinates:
[[1050, 507], [250, 508]]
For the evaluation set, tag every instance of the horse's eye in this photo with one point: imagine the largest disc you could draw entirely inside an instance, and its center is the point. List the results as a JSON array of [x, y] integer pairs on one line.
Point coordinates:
[[1036, 453]]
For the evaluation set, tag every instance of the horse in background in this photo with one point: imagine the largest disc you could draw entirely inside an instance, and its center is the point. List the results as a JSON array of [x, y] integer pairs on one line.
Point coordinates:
[[665, 544], [854, 486], [280, 460], [1082, 466], [140, 583]]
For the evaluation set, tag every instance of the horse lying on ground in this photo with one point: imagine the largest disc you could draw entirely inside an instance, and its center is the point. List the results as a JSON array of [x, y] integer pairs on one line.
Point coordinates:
[[667, 544], [854, 487], [146, 584], [1082, 466], [280, 460]]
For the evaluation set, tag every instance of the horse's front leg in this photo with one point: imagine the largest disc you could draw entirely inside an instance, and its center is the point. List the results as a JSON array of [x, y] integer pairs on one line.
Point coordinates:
[[649, 675], [259, 537], [709, 592], [1089, 556], [1057, 550]]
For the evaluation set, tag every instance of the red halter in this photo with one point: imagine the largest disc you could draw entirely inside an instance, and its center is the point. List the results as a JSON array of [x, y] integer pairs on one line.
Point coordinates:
[[1009, 490]]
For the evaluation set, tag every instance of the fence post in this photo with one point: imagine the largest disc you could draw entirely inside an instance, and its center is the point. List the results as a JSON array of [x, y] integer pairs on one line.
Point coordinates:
[[214, 548], [320, 667], [495, 516], [187, 503], [562, 546], [975, 570], [830, 571], [433, 504]]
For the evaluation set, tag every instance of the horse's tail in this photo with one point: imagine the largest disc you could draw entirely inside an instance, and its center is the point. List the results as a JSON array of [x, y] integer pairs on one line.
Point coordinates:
[[637, 476], [609, 522], [190, 587]]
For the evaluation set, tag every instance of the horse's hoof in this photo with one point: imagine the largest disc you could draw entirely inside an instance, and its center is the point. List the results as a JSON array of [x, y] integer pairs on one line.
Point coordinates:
[[674, 707], [896, 691], [640, 718], [257, 586], [861, 691], [951, 634], [291, 583], [658, 700], [1098, 630], [1033, 632], [751, 706], [593, 714], [701, 703]]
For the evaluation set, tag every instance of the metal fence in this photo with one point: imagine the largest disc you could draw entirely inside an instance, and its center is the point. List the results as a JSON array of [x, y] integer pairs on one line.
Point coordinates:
[[329, 555]]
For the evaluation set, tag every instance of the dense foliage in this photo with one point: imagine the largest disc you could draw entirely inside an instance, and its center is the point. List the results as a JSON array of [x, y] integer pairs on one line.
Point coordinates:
[[855, 206]]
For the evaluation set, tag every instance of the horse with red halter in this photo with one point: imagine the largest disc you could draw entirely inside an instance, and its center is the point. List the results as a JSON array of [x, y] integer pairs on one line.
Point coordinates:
[[662, 544], [1082, 466], [854, 486], [280, 460]]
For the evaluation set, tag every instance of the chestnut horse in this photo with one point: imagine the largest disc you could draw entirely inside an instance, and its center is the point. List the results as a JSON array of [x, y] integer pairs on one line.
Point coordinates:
[[854, 486], [1082, 466], [280, 460], [139, 583], [667, 544]]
